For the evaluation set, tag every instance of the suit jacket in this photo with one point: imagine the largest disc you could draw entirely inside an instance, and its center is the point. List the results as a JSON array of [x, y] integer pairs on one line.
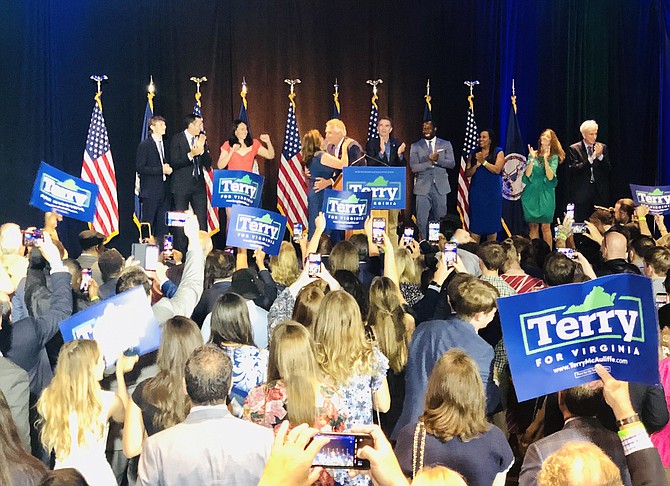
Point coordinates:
[[372, 150], [15, 385], [430, 341], [182, 180], [425, 172], [584, 429], [24, 341], [150, 169], [210, 447], [579, 187], [645, 467]]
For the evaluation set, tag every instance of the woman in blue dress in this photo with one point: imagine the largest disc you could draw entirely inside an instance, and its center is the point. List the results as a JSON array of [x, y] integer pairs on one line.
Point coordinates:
[[317, 173], [485, 167]]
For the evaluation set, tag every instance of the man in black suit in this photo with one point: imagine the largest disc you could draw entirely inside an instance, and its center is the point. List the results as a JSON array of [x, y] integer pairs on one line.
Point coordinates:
[[153, 168], [189, 158], [386, 151], [588, 172]]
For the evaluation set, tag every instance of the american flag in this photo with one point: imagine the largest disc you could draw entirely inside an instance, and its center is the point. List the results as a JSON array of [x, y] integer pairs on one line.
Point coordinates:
[[291, 186], [212, 213], [374, 119], [98, 168], [469, 145]]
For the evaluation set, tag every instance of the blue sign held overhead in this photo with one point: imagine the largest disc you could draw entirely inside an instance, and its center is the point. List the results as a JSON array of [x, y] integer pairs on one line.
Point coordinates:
[[55, 190], [119, 323], [555, 337], [656, 197], [345, 210], [254, 228], [385, 184], [233, 187]]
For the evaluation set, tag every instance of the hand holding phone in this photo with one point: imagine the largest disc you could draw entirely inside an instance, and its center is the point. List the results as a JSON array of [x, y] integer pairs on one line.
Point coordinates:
[[378, 230], [434, 231], [341, 451], [33, 237], [450, 253], [408, 236], [86, 276], [570, 211], [297, 232], [313, 265]]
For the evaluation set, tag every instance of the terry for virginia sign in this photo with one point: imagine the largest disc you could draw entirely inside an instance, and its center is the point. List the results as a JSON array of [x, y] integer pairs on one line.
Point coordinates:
[[256, 228], [555, 337], [385, 184]]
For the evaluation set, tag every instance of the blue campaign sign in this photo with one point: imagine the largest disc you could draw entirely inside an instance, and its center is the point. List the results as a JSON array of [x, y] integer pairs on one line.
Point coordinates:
[[385, 184], [256, 228], [656, 197], [233, 187], [345, 210], [122, 322], [55, 190], [555, 337]]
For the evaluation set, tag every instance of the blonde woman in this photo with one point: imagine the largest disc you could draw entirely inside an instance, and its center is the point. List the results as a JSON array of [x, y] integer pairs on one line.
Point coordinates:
[[392, 328], [75, 411], [295, 389], [409, 273], [284, 270], [453, 430]]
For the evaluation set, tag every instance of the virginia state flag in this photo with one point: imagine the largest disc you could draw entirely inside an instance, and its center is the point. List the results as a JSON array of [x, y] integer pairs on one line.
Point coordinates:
[[512, 186]]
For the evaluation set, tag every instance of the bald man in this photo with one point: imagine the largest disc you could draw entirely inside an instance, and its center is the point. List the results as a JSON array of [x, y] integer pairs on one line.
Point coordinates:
[[614, 251]]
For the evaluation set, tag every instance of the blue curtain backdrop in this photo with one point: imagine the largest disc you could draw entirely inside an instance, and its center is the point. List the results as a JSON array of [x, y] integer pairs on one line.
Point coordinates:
[[571, 60]]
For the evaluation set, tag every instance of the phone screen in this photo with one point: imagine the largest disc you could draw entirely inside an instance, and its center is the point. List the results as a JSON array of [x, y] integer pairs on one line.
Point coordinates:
[[297, 232], [313, 264], [579, 228], [434, 231], [33, 238], [408, 235], [342, 451], [568, 252], [378, 230], [86, 276], [450, 253], [661, 299], [151, 257], [175, 218], [168, 247], [570, 211]]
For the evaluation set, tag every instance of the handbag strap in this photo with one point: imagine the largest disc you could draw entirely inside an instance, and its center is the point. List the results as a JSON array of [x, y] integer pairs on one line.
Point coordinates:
[[418, 448]]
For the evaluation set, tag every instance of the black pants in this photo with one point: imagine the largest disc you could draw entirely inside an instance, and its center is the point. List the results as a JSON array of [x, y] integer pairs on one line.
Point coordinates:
[[153, 212], [198, 201]]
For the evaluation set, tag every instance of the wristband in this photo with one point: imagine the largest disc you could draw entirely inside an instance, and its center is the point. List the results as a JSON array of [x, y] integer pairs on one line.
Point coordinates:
[[628, 420]]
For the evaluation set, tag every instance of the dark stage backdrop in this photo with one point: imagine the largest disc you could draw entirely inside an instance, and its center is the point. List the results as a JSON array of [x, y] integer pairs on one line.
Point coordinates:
[[571, 60]]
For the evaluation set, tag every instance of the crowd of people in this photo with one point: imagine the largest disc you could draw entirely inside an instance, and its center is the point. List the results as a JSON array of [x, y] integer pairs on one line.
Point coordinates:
[[259, 354]]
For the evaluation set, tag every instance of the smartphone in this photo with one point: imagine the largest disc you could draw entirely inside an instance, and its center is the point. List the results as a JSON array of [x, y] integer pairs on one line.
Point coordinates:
[[450, 253], [145, 232], [175, 218], [297, 232], [434, 231], [661, 299], [33, 237], [408, 235], [313, 264], [341, 452], [570, 211], [568, 252], [378, 230], [555, 231], [147, 255], [168, 248], [579, 228], [86, 276]]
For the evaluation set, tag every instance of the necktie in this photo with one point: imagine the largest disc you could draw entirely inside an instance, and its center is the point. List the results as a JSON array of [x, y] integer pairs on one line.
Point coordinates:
[[430, 146], [161, 153], [196, 169], [589, 150]]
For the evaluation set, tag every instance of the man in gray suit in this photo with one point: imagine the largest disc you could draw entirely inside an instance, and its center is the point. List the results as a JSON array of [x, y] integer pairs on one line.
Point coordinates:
[[210, 446], [579, 406], [429, 159]]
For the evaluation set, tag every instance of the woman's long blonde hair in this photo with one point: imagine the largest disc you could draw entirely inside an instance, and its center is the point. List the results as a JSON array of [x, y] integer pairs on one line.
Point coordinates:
[[74, 390], [408, 270], [285, 266], [292, 360], [342, 348], [387, 319], [455, 403]]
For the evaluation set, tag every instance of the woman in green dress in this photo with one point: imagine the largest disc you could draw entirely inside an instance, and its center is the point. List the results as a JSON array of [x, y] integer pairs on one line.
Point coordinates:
[[538, 199]]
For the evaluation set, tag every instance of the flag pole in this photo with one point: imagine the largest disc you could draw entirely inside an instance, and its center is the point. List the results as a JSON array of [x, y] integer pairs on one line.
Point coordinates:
[[99, 78]]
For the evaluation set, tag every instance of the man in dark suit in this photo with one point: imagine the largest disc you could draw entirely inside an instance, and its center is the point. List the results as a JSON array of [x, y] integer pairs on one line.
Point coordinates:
[[579, 406], [210, 446], [429, 159], [588, 173], [153, 168], [189, 157], [386, 151]]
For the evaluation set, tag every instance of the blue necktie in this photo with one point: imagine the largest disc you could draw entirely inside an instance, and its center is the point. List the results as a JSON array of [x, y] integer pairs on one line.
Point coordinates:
[[196, 169]]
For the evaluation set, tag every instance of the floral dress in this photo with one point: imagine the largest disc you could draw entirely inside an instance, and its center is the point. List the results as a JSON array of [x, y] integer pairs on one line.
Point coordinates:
[[266, 405], [250, 367]]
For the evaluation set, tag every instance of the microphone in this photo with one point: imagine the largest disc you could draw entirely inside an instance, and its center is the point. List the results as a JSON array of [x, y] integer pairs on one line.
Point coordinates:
[[357, 160], [377, 160]]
